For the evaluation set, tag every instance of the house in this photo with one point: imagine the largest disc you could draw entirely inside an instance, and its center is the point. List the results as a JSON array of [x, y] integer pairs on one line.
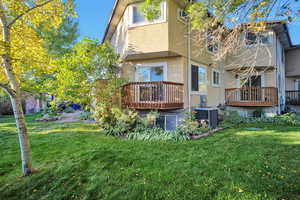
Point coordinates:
[[167, 73], [293, 78], [31, 103]]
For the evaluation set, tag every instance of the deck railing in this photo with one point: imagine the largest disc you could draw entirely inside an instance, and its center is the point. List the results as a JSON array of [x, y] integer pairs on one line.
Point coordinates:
[[251, 96], [293, 97], [161, 95]]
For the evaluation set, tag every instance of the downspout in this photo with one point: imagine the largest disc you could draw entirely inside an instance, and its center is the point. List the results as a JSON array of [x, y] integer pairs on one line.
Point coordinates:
[[277, 79], [189, 64]]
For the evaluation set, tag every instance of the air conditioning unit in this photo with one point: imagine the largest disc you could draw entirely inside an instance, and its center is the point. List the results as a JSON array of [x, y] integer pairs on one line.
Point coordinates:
[[209, 114]]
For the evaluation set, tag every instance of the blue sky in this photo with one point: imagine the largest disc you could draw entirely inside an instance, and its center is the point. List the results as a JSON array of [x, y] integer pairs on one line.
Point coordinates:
[[94, 15]]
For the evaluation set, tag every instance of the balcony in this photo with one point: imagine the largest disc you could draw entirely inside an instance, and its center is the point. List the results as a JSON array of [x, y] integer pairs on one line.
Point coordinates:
[[161, 95], [293, 97], [251, 96]]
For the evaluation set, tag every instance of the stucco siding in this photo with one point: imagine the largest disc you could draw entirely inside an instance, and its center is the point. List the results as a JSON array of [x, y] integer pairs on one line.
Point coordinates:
[[148, 38], [119, 39], [253, 56]]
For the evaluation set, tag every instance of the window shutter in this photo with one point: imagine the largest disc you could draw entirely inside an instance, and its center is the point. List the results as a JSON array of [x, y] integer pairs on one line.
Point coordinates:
[[195, 78]]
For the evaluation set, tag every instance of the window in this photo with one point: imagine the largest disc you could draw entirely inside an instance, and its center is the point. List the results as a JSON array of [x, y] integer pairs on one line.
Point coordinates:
[[167, 122], [182, 15], [198, 79], [297, 85], [252, 81], [137, 17], [146, 74], [261, 38], [212, 44], [215, 78], [151, 72]]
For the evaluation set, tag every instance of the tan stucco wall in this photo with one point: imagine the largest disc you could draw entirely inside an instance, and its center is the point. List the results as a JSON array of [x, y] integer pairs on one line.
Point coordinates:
[[177, 72], [148, 38], [257, 55], [171, 36], [175, 69], [293, 62], [178, 37]]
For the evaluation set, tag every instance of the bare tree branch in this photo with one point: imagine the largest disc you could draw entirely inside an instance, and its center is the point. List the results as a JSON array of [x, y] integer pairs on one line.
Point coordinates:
[[27, 11]]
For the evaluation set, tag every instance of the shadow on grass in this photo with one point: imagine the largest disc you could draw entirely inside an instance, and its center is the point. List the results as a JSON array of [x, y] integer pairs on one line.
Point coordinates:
[[233, 164]]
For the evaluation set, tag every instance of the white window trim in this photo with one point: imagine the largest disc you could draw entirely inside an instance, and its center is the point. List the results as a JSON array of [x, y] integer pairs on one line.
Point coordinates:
[[212, 78], [271, 35], [297, 84], [206, 79], [147, 65], [164, 16]]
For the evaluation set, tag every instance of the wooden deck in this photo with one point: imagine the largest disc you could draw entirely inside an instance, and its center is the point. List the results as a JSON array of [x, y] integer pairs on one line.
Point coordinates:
[[252, 96], [161, 95], [293, 97]]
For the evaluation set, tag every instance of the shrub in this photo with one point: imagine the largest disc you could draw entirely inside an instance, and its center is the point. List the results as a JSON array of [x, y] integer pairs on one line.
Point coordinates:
[[189, 125], [233, 118], [117, 122], [150, 119], [155, 134], [69, 110], [85, 115], [51, 111]]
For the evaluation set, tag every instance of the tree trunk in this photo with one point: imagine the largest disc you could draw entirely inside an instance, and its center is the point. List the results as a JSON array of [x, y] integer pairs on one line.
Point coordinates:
[[14, 92], [22, 133]]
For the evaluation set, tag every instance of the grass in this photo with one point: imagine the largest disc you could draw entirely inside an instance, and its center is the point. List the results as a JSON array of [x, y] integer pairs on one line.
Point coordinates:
[[75, 161]]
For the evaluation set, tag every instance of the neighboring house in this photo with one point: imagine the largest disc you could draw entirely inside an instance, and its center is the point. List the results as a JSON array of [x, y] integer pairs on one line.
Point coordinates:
[[31, 103], [293, 78], [167, 72]]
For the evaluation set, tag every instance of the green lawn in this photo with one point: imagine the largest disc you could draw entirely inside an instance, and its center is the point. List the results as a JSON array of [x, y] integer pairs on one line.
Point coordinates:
[[75, 161]]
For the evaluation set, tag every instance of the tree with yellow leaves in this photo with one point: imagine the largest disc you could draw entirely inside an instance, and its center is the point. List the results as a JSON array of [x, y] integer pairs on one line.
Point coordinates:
[[22, 53]]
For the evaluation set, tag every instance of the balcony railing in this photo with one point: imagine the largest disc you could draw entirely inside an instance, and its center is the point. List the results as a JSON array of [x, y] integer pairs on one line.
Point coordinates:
[[293, 97], [251, 96], [160, 95]]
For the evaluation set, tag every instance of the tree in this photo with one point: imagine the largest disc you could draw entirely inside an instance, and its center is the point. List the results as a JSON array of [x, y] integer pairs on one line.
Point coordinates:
[[61, 40], [22, 51], [222, 23], [77, 72], [226, 19]]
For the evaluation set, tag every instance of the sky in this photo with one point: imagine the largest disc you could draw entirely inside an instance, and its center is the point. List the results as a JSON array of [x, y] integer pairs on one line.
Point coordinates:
[[94, 16]]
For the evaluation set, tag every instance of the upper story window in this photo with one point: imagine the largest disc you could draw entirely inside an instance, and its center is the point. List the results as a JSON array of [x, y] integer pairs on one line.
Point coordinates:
[[212, 44], [216, 78], [261, 38], [137, 17], [198, 79]]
